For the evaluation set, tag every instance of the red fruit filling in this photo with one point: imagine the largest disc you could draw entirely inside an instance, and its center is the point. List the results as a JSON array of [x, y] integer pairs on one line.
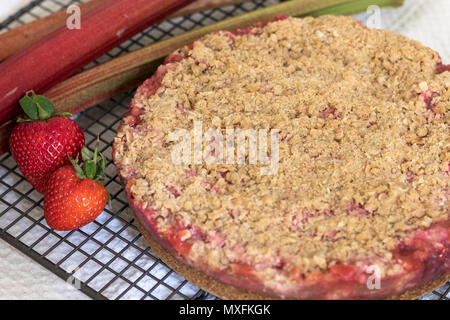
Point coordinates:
[[440, 68], [428, 97]]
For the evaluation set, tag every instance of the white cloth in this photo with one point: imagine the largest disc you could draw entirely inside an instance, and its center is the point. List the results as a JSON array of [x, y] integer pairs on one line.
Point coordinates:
[[22, 278], [8, 7]]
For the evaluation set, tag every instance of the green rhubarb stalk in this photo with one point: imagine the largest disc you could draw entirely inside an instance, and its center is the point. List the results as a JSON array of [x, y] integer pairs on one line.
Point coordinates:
[[354, 7], [126, 72]]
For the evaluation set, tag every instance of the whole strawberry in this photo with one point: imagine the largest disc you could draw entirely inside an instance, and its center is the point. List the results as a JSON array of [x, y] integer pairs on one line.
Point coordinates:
[[43, 141], [74, 196]]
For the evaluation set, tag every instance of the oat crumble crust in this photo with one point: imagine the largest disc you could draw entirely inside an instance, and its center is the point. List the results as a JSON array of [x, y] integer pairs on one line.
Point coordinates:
[[364, 151]]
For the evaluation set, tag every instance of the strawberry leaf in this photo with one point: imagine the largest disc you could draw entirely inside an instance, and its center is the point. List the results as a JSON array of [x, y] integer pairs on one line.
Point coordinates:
[[37, 107], [85, 154], [45, 104], [64, 114], [21, 120], [96, 152], [43, 115], [29, 107], [102, 166], [78, 169], [94, 168], [90, 169]]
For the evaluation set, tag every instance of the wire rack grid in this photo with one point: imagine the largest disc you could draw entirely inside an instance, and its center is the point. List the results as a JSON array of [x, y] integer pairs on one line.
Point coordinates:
[[109, 257]]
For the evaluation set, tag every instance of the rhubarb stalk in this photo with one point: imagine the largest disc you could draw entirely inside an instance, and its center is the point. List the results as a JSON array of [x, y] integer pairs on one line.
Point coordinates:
[[25, 35], [354, 7], [65, 51]]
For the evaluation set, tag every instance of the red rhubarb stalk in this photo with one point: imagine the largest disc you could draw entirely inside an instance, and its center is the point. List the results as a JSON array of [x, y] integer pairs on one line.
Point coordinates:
[[23, 36], [63, 52]]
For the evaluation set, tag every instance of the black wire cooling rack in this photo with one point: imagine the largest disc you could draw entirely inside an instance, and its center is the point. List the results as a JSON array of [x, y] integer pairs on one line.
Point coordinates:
[[109, 256]]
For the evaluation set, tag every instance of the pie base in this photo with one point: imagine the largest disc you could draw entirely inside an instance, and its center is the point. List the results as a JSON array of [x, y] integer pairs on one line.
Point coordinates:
[[228, 292]]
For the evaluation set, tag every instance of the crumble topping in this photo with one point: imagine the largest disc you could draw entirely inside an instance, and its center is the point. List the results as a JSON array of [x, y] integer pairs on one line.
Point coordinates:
[[364, 150]]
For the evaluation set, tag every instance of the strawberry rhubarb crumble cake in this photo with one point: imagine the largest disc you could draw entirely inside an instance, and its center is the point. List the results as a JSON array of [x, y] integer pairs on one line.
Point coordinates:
[[362, 186]]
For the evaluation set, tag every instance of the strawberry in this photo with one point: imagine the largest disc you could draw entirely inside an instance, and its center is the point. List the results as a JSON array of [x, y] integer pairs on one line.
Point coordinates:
[[74, 197], [43, 141]]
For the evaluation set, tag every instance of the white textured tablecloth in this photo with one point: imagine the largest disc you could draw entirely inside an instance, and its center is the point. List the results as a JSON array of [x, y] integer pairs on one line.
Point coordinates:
[[427, 21], [22, 278]]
